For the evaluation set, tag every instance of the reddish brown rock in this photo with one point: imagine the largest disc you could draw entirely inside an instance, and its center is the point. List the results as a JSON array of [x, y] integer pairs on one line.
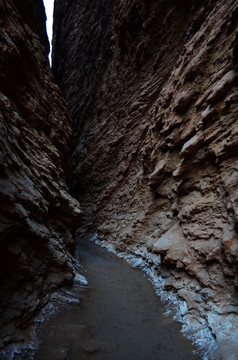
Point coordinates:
[[152, 91], [37, 214]]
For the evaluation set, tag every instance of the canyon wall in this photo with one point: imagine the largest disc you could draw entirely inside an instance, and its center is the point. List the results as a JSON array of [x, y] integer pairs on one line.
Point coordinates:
[[37, 213], [152, 90]]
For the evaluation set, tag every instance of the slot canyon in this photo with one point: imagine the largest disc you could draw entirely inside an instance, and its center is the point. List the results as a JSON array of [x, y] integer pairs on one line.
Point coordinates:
[[130, 140]]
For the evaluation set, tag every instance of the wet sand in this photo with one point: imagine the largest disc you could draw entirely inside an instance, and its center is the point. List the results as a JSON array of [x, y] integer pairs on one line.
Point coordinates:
[[120, 319]]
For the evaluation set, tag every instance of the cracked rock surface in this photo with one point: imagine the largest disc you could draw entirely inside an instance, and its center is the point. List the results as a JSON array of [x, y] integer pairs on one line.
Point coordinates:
[[37, 213], [152, 90]]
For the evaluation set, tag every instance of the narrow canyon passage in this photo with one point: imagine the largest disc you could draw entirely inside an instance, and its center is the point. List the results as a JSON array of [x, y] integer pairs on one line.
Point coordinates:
[[121, 319], [131, 134]]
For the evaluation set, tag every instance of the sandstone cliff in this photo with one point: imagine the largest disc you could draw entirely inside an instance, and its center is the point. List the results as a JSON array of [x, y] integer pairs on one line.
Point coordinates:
[[37, 213], [152, 91]]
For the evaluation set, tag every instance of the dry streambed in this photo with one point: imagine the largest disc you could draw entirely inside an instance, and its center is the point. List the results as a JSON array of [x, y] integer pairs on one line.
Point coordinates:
[[120, 319]]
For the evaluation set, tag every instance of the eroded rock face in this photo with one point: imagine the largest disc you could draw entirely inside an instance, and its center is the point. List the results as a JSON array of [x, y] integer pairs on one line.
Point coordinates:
[[37, 213], [152, 91]]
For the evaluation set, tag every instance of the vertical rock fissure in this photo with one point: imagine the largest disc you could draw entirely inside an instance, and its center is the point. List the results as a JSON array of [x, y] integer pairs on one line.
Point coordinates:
[[151, 88]]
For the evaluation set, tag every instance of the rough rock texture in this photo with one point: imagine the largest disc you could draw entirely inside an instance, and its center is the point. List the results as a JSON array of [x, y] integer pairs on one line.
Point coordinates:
[[152, 91], [37, 213]]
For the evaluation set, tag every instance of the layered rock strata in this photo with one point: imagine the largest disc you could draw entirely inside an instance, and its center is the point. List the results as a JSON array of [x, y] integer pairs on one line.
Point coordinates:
[[37, 213], [152, 90]]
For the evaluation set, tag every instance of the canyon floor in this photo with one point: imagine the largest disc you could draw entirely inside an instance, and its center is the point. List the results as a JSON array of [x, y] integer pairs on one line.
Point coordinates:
[[120, 318]]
